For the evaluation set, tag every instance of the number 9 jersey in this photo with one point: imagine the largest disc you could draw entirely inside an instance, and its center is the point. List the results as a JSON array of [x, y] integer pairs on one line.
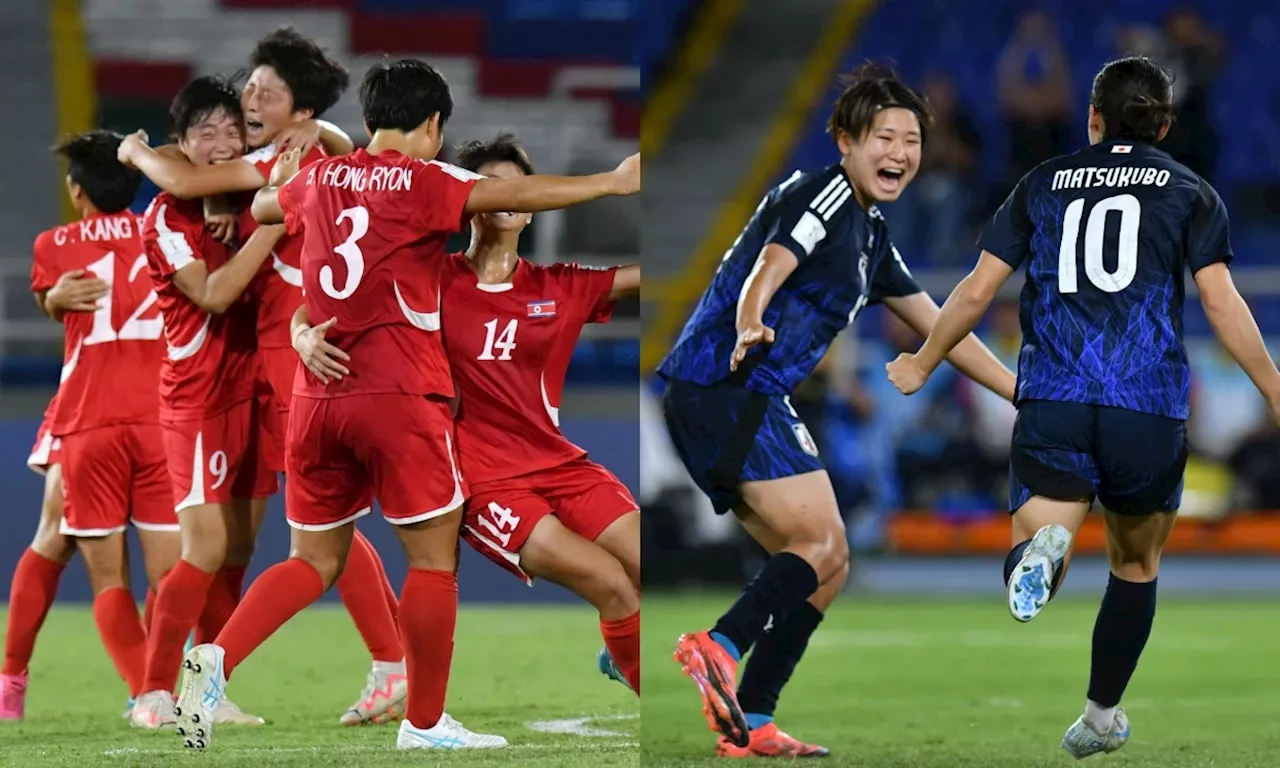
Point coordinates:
[[1107, 234], [376, 228]]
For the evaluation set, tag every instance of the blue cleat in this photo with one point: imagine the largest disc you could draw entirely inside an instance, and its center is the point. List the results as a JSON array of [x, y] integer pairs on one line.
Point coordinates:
[[1081, 741], [609, 668], [128, 707], [1031, 584]]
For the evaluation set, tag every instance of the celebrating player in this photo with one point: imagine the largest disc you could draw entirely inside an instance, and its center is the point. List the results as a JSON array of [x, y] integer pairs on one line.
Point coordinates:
[[292, 84], [376, 226], [814, 254], [206, 388], [538, 506], [1103, 382]]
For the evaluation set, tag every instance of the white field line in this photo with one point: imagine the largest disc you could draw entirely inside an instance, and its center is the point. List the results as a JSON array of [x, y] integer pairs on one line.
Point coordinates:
[[996, 639]]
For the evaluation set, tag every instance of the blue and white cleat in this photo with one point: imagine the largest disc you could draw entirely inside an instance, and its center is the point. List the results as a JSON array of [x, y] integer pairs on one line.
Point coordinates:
[[445, 734], [609, 668], [203, 689], [1031, 583], [1082, 741]]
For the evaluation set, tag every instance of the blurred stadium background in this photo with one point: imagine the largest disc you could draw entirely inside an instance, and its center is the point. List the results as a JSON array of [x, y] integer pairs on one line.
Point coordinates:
[[736, 103], [562, 74]]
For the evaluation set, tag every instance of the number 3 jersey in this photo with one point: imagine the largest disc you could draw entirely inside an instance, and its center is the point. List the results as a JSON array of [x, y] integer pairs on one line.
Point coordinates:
[[1107, 234], [376, 228], [509, 346], [111, 363]]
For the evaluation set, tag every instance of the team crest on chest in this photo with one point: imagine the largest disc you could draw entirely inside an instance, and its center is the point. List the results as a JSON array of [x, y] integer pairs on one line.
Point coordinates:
[[543, 308], [805, 439]]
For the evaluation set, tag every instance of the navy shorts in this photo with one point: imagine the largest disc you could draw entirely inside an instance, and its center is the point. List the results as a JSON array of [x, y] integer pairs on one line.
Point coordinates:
[[727, 435], [1132, 462]]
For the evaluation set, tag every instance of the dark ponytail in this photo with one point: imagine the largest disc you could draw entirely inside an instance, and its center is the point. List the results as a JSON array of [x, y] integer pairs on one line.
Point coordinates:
[[1134, 95]]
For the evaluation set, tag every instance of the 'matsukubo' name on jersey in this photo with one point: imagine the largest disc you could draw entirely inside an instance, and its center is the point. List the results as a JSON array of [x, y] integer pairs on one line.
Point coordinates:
[[1107, 234], [1084, 178], [846, 262]]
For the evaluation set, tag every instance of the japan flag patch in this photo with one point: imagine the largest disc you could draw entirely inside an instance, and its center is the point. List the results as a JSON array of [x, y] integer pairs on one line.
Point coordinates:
[[1122, 149], [805, 439], [544, 308]]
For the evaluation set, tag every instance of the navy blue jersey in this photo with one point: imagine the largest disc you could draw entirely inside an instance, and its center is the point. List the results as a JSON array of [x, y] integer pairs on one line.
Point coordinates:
[[1107, 234], [846, 262]]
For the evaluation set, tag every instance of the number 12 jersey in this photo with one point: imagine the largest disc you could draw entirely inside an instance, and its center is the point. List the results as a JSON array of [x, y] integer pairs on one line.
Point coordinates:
[[1107, 234]]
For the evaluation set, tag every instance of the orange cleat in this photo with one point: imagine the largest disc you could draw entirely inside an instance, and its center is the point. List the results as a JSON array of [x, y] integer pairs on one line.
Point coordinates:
[[715, 673], [770, 742]]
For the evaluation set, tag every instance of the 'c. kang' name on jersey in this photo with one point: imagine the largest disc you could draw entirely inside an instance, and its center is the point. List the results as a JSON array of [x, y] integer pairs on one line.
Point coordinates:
[[846, 262], [1107, 234]]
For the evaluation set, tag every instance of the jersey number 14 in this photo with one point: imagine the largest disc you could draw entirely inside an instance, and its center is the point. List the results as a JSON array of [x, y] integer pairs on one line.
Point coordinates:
[[1130, 211]]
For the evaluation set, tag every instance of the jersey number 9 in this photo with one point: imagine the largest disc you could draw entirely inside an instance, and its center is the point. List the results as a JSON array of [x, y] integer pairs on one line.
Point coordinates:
[[1130, 211]]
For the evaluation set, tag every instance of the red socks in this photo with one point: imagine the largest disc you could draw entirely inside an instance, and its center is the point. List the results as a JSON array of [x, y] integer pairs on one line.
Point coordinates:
[[363, 587], [35, 584], [281, 592], [389, 592], [178, 606], [116, 615], [428, 617], [622, 638], [224, 596], [149, 610]]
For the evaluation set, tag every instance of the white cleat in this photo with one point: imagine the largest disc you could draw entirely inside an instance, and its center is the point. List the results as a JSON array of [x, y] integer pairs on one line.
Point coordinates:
[[446, 734], [383, 697], [1082, 741], [202, 692], [227, 713], [1031, 583], [152, 711]]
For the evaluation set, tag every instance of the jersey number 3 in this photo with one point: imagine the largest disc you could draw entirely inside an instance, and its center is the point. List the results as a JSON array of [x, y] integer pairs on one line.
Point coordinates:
[[350, 252], [1130, 211]]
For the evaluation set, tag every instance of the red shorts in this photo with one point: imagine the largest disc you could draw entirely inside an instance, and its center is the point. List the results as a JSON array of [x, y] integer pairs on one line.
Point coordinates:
[[344, 452], [114, 475], [273, 391], [48, 449], [215, 459], [501, 514]]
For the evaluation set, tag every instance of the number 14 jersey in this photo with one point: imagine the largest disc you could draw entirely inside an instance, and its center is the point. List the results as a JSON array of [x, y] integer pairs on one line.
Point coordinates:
[[509, 346], [1107, 235], [376, 228]]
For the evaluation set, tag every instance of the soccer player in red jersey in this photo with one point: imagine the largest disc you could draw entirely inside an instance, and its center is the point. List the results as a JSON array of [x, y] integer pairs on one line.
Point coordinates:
[[376, 226], [206, 387], [107, 412], [293, 83], [539, 507]]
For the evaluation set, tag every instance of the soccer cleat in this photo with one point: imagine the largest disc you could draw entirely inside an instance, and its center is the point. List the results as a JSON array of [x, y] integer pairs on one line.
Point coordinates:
[[152, 711], [383, 697], [715, 673], [227, 713], [13, 696], [201, 694], [128, 708], [1081, 741], [609, 668], [1031, 583], [770, 741], [445, 734]]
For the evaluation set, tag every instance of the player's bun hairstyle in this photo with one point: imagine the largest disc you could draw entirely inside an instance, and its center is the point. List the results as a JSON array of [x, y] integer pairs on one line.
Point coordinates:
[[1134, 95], [503, 148], [201, 98], [316, 80], [401, 95], [869, 89], [92, 164]]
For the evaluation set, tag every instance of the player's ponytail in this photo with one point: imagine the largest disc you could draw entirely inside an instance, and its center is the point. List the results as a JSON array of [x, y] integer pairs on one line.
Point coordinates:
[[1134, 95]]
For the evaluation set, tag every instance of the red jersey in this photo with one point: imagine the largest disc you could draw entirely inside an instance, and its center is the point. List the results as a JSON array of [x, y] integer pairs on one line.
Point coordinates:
[[279, 285], [376, 227], [509, 347], [111, 357], [210, 364]]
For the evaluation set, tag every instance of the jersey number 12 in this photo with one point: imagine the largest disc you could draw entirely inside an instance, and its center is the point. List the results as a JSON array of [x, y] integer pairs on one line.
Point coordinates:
[[1130, 211]]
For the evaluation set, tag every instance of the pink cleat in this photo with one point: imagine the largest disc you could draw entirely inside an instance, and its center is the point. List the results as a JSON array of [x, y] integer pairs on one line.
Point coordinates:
[[13, 696]]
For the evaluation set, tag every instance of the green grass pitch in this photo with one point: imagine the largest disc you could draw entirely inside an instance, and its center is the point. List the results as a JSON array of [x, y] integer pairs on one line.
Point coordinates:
[[527, 673], [958, 684]]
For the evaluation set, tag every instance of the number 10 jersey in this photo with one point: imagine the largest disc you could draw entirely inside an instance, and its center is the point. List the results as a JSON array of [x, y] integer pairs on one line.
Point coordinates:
[[1107, 235]]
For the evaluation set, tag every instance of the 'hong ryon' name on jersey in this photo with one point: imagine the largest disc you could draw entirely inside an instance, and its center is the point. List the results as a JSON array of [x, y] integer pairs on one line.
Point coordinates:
[[1107, 234], [846, 263]]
